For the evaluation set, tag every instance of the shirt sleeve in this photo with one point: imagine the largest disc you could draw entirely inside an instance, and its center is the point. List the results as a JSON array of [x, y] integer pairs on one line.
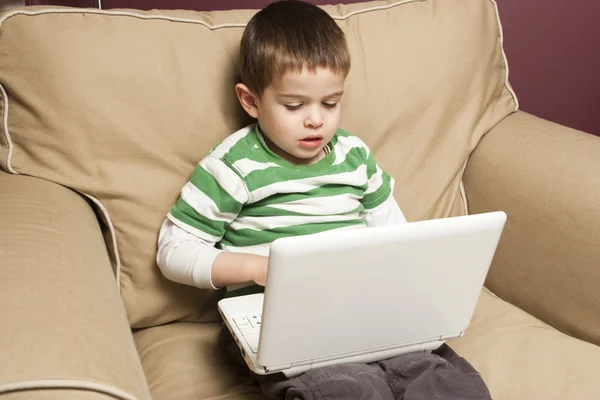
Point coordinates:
[[209, 202], [379, 184], [380, 207], [185, 258], [388, 213]]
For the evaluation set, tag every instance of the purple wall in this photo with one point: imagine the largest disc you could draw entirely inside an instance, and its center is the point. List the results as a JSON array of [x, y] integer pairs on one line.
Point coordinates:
[[553, 52], [551, 45]]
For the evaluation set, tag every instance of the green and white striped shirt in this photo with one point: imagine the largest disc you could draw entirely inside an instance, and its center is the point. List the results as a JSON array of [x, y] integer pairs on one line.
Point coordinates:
[[243, 197]]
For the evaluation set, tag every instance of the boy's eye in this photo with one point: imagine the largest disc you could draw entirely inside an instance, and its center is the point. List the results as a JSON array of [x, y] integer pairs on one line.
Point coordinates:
[[330, 105], [292, 107]]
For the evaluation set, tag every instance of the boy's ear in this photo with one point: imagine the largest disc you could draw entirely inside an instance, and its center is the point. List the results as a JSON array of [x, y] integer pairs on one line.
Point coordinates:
[[247, 99]]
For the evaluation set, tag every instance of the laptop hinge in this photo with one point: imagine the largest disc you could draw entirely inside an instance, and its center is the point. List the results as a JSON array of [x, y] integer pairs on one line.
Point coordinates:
[[309, 363], [278, 368]]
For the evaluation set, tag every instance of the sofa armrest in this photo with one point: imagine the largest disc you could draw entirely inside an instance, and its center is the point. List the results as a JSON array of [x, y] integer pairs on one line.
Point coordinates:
[[64, 328], [546, 177]]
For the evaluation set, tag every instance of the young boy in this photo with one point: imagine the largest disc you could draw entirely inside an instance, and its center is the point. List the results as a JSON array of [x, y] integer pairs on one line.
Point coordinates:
[[294, 172]]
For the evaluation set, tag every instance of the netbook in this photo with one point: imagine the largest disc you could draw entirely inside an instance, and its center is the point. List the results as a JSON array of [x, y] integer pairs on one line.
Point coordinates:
[[364, 295]]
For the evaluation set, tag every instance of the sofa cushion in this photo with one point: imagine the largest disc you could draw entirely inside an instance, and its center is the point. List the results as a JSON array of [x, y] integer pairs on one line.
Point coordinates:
[[518, 356], [121, 104], [185, 360], [521, 357], [64, 327]]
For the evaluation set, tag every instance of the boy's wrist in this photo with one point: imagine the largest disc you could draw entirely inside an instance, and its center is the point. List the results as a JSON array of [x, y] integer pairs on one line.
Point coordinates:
[[255, 268], [248, 268]]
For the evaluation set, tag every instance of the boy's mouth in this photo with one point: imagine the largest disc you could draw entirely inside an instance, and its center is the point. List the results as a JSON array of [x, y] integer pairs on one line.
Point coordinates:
[[311, 142]]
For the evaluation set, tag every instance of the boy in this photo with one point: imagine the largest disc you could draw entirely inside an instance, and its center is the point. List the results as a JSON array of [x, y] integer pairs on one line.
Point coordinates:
[[293, 173]]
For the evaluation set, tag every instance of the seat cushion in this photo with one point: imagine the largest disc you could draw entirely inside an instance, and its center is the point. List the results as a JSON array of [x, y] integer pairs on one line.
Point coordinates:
[[122, 104], [518, 356], [184, 360]]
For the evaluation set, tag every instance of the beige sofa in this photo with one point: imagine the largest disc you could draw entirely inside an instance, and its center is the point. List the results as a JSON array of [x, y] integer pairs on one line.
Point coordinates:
[[105, 113]]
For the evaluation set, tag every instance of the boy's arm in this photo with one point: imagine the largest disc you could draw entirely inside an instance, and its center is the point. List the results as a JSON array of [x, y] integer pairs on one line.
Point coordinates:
[[388, 213], [209, 202], [187, 259], [380, 207], [230, 268]]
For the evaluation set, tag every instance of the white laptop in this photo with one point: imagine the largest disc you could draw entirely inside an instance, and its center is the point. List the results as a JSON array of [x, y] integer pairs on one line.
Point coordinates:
[[364, 295]]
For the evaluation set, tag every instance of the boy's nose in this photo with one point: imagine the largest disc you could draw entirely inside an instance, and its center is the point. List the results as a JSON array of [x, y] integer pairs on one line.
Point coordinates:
[[313, 120]]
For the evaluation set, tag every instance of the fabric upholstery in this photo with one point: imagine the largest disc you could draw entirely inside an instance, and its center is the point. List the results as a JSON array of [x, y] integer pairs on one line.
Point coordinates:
[[53, 394], [518, 356], [146, 94], [185, 360], [64, 325], [522, 358], [547, 179]]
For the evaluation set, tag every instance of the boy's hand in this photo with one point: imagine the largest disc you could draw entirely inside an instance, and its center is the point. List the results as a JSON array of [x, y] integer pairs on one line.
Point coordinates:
[[232, 268]]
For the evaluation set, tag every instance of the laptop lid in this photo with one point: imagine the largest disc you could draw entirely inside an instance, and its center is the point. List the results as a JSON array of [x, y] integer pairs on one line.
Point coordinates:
[[342, 293]]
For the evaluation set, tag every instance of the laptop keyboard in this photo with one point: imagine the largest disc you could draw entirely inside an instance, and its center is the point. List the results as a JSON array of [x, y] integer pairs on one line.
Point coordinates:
[[249, 326]]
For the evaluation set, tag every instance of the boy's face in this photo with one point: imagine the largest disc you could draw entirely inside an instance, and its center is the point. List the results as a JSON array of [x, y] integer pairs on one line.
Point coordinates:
[[299, 113]]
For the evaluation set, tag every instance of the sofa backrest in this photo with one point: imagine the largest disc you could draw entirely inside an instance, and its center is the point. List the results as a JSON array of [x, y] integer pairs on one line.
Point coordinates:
[[120, 105]]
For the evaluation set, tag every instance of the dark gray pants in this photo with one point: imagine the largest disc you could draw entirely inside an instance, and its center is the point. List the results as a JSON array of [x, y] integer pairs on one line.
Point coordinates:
[[441, 374]]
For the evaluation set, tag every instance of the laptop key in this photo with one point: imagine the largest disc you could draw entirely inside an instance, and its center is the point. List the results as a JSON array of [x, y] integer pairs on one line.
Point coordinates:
[[242, 322], [249, 331], [252, 340], [254, 320]]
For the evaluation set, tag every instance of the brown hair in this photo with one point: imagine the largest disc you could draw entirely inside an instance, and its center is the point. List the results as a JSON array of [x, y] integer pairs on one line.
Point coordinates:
[[290, 35]]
